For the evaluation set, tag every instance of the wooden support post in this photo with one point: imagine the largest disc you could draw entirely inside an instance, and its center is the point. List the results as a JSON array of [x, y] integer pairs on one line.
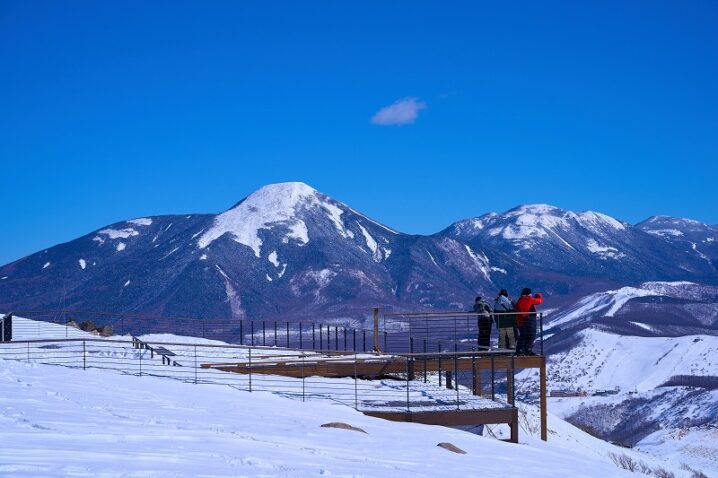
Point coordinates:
[[510, 385], [477, 384], [514, 426], [376, 329], [542, 394]]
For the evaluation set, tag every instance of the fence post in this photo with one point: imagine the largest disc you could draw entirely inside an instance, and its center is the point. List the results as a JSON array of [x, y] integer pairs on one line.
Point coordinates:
[[264, 334], [354, 338], [6, 328], [425, 357], [251, 331], [376, 329], [407, 384], [303, 385], [321, 338], [336, 337], [250, 369], [356, 390], [493, 381], [439, 360], [28, 351], [140, 352], [541, 328], [275, 333], [511, 390], [288, 334], [84, 356], [345, 338], [473, 374], [456, 374]]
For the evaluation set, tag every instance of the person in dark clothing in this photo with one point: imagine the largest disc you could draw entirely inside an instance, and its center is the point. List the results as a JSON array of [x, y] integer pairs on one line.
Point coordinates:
[[526, 321], [483, 310], [505, 320]]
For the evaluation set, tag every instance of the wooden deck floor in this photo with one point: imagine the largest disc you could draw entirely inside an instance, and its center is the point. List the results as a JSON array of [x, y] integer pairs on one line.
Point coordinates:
[[368, 366]]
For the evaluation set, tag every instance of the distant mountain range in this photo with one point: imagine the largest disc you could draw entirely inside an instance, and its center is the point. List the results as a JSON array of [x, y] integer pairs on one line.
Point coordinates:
[[289, 251]]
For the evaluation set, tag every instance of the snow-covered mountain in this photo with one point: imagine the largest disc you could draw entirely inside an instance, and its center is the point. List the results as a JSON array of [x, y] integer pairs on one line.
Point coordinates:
[[662, 391], [569, 252], [289, 251], [690, 236], [654, 348], [285, 251]]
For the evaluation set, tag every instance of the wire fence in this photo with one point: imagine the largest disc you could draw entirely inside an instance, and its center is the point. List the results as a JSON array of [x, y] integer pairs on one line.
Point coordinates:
[[366, 382], [392, 332]]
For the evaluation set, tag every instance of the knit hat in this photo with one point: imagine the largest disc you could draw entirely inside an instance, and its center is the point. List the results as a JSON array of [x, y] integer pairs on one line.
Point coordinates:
[[526, 291]]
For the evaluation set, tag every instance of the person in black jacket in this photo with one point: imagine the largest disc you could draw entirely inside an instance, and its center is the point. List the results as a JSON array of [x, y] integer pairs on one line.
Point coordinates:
[[483, 310]]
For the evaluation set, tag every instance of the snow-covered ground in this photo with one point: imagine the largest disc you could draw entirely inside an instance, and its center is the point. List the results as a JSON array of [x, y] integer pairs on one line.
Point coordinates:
[[58, 421], [61, 421], [636, 368]]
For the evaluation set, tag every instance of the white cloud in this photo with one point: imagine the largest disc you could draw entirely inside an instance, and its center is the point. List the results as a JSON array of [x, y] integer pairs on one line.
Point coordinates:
[[403, 111]]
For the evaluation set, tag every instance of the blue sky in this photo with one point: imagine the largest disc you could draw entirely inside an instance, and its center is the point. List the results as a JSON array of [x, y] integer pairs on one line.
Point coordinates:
[[113, 110]]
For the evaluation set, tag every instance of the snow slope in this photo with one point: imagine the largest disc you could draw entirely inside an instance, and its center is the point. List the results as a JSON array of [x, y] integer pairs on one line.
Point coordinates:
[[61, 421], [66, 422]]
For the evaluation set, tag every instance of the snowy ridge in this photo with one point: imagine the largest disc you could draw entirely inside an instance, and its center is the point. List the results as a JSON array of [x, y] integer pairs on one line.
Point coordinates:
[[605, 361]]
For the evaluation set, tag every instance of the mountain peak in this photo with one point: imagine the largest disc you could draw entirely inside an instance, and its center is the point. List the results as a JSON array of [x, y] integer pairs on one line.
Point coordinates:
[[534, 209], [279, 204]]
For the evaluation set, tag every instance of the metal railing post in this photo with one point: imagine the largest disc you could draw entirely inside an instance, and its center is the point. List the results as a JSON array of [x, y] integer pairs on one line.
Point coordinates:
[[376, 329], [288, 334], [140, 352], [250, 370], [84, 356], [425, 364], [356, 388], [303, 384], [439, 360], [264, 334], [407, 384], [493, 381], [456, 374], [541, 328], [275, 333]]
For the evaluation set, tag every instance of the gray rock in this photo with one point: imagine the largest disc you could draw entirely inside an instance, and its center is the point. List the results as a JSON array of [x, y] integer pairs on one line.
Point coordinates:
[[451, 447], [105, 330], [343, 426]]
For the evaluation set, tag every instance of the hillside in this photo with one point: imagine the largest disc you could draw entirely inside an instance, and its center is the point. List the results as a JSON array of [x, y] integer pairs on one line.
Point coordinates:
[[101, 422]]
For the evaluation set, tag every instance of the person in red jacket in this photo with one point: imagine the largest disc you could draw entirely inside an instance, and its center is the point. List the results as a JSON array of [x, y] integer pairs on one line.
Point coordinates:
[[526, 321]]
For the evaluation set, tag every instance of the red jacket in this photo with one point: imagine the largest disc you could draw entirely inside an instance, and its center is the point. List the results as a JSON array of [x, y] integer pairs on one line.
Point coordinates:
[[524, 304]]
